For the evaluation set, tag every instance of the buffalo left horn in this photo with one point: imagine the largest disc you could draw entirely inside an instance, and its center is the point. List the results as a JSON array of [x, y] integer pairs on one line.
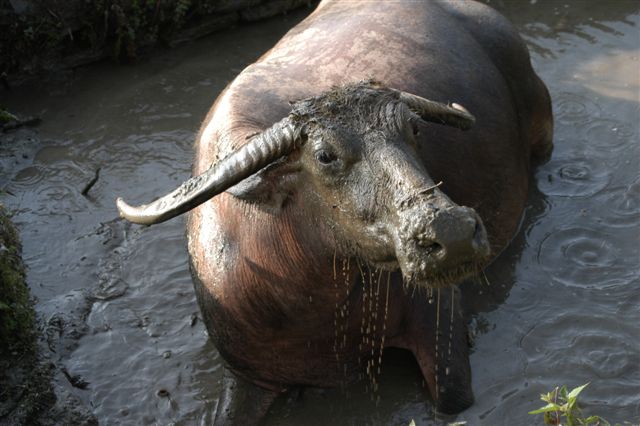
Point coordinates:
[[275, 142], [454, 115]]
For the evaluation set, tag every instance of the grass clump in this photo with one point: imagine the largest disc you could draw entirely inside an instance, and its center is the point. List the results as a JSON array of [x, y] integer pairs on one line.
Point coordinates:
[[38, 36], [6, 116], [17, 316], [43, 33], [25, 392]]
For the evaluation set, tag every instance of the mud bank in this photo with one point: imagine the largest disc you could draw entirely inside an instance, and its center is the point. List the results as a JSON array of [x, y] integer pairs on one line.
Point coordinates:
[[27, 394], [40, 36], [22, 384], [25, 390]]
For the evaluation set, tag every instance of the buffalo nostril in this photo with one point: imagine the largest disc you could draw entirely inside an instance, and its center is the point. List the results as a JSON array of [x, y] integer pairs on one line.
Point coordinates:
[[431, 247], [479, 242], [477, 230]]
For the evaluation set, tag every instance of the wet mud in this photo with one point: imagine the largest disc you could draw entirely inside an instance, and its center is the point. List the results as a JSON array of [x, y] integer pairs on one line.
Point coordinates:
[[120, 320]]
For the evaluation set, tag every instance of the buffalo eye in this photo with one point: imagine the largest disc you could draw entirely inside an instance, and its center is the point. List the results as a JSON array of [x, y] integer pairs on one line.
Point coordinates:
[[325, 157]]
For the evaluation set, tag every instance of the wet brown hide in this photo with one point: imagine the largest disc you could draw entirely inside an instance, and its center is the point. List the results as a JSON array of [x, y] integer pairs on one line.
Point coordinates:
[[265, 277]]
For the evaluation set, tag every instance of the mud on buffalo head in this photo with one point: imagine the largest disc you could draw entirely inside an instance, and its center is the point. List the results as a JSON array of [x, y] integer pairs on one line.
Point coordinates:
[[355, 148]]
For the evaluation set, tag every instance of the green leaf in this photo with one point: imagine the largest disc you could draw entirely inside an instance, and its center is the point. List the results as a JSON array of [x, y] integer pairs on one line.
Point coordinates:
[[563, 392], [412, 423], [575, 392], [549, 407], [549, 397], [6, 116]]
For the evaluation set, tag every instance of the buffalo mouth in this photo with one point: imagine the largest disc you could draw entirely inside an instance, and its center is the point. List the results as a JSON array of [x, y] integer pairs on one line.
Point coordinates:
[[426, 268], [421, 267], [431, 277], [443, 278]]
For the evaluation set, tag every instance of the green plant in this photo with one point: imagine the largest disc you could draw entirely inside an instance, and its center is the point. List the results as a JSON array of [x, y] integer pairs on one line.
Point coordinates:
[[563, 405], [17, 317], [6, 116]]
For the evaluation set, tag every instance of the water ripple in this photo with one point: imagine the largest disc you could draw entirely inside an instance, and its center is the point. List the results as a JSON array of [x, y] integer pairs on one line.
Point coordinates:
[[28, 177], [609, 134], [571, 108], [581, 257], [588, 345], [621, 206], [573, 177]]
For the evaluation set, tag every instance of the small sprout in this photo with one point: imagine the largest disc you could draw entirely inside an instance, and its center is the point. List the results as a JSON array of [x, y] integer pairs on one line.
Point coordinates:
[[562, 409], [6, 116]]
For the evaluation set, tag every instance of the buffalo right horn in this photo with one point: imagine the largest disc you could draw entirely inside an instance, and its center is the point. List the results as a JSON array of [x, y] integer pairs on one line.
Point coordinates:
[[455, 115], [275, 142]]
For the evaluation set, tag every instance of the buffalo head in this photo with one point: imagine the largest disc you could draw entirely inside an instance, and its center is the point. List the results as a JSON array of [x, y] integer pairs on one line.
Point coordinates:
[[354, 149]]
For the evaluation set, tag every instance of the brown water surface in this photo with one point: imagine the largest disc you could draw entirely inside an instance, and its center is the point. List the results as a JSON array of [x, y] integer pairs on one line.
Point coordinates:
[[562, 307]]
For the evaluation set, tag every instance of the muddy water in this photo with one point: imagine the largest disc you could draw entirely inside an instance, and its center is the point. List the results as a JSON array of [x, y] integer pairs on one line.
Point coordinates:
[[562, 306]]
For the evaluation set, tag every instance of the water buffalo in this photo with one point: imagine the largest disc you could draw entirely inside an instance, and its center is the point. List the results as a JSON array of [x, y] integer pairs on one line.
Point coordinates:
[[330, 180]]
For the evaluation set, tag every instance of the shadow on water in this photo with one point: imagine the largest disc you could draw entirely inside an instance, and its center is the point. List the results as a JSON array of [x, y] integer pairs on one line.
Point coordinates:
[[562, 302], [491, 288]]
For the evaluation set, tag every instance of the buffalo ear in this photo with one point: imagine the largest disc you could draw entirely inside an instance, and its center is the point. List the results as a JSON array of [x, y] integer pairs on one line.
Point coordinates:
[[270, 188]]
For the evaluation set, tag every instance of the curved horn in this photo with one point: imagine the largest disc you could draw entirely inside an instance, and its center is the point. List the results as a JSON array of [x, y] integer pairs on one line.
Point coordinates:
[[263, 149], [455, 115]]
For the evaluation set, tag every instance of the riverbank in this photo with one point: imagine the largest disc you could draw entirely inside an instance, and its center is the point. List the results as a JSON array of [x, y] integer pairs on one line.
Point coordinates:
[[38, 37], [26, 390], [28, 395]]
